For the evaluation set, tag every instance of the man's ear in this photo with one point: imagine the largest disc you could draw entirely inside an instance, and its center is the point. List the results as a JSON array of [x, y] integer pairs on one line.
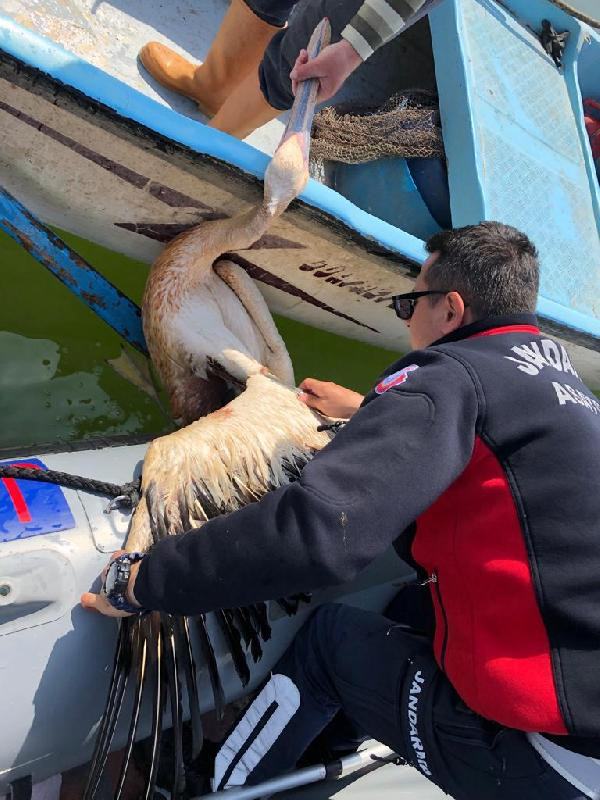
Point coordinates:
[[455, 310]]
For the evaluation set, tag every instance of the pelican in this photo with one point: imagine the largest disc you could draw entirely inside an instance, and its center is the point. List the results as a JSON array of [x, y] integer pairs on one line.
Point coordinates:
[[223, 365]]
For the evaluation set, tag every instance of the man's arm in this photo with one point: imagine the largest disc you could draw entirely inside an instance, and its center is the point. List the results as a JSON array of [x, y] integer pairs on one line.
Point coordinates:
[[378, 21], [398, 454], [375, 24]]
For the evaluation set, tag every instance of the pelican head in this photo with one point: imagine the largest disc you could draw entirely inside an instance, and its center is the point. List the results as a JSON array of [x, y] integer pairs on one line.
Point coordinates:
[[287, 172]]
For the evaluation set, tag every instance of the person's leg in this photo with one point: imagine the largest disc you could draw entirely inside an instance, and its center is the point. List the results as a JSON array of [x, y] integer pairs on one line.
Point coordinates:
[[385, 679], [266, 94], [256, 100], [235, 53], [344, 658], [411, 609], [259, 99], [245, 109]]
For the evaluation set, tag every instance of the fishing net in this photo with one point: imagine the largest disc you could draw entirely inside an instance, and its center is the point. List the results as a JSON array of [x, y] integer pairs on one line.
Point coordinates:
[[407, 125]]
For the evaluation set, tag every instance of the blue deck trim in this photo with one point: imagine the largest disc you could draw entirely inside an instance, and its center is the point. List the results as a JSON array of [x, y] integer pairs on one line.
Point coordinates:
[[574, 320], [49, 57], [78, 276]]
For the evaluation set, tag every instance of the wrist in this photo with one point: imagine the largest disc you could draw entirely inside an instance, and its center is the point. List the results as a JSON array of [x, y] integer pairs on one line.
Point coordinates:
[[356, 404], [350, 54], [350, 47], [119, 580]]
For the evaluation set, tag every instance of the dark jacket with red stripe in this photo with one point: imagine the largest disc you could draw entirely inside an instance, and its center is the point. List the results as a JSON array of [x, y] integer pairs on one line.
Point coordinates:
[[491, 442]]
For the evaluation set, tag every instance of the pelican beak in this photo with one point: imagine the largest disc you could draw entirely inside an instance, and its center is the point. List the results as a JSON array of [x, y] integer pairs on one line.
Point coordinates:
[[287, 173], [303, 109]]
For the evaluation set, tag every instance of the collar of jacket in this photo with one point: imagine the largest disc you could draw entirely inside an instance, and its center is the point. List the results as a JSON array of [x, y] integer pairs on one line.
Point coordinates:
[[512, 323]]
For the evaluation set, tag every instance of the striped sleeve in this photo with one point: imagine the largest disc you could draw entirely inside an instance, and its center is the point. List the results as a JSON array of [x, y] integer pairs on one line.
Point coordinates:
[[378, 21]]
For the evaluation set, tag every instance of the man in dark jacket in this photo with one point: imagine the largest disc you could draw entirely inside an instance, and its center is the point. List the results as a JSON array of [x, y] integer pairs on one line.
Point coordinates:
[[478, 455]]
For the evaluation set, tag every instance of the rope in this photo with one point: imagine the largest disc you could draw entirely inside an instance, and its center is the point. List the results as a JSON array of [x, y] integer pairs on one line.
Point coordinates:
[[332, 426], [127, 495]]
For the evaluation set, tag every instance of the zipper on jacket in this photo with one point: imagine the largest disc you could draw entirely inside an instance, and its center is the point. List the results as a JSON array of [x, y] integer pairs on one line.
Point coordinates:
[[433, 579]]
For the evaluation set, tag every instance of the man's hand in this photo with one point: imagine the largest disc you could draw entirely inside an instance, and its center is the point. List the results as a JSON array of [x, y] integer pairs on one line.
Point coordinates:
[[98, 602], [332, 66], [329, 398]]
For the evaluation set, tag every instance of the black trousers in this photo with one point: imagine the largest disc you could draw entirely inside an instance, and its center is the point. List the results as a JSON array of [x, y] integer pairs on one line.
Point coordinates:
[[382, 675], [302, 18]]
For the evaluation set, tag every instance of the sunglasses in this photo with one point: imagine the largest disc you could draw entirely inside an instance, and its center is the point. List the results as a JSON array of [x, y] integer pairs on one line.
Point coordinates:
[[404, 304]]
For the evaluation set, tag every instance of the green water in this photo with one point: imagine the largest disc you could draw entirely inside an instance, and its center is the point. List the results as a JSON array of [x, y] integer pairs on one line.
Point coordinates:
[[55, 382]]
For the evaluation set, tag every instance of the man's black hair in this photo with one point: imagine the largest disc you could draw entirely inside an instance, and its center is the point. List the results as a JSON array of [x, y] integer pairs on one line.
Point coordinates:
[[494, 267]]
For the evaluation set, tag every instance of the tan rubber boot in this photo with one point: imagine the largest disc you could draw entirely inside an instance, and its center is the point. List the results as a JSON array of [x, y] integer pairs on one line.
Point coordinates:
[[235, 52], [244, 110]]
